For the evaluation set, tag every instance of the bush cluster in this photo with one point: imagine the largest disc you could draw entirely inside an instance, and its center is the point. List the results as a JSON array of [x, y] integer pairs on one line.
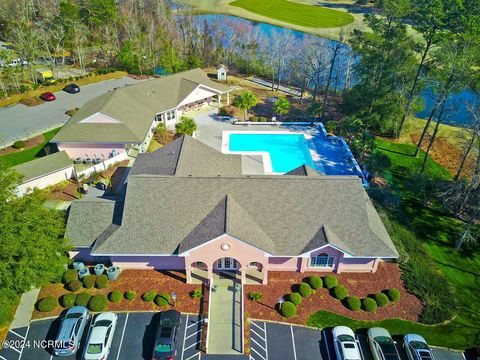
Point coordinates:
[[381, 299], [130, 295], [89, 281], [295, 298], [106, 70], [196, 294], [340, 292], [67, 300], [47, 304], [258, 119], [393, 294], [162, 299], [97, 303], [115, 296], [315, 282], [101, 282], [331, 281], [354, 303], [149, 295], [18, 144], [288, 309], [82, 299], [69, 275], [255, 296], [74, 285], [305, 290], [369, 305]]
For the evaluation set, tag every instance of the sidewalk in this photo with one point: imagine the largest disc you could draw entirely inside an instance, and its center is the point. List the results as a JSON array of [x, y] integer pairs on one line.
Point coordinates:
[[23, 315]]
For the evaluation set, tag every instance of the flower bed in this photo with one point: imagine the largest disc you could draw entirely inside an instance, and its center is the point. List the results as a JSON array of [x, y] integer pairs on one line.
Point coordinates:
[[140, 281], [362, 285]]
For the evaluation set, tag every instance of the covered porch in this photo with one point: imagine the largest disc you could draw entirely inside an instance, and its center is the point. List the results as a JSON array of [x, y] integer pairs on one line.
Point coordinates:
[[253, 274]]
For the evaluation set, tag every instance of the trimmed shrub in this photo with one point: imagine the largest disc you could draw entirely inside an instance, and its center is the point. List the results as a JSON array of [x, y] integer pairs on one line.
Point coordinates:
[[74, 285], [130, 295], [97, 303], [196, 294], [369, 305], [47, 304], [340, 292], [331, 281], [381, 299], [263, 119], [101, 282], [69, 275], [393, 294], [18, 144], [315, 282], [162, 299], [149, 295], [254, 119], [82, 299], [288, 309], [115, 296], [255, 296], [354, 303], [89, 281], [305, 290], [295, 298], [67, 300]]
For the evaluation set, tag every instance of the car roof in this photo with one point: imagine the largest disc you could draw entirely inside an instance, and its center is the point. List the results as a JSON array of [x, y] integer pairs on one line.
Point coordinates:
[[77, 309], [169, 315], [66, 329]]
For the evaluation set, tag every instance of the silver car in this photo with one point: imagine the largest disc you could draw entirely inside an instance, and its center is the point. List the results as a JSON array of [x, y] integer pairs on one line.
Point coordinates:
[[100, 338], [382, 344], [417, 348], [345, 345], [71, 330]]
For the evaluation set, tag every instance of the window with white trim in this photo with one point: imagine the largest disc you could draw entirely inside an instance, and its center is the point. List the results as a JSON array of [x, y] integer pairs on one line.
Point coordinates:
[[322, 260]]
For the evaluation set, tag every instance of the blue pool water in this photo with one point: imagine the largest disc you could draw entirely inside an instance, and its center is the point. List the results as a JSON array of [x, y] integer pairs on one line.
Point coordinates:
[[287, 151]]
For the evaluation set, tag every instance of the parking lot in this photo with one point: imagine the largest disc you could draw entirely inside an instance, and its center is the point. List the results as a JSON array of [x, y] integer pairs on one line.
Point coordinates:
[[271, 341], [133, 339]]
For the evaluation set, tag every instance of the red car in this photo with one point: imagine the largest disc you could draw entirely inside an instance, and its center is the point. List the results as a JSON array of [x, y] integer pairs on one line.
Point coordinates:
[[47, 96]]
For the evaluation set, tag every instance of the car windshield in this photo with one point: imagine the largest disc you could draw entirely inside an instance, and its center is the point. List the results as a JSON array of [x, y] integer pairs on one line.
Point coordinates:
[[94, 348], [384, 340], [168, 322], [73, 316], [420, 345], [349, 345], [345, 338], [163, 348]]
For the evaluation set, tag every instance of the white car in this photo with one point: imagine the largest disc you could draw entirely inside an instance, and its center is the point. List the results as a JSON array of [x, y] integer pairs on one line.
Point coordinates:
[[100, 338], [382, 344], [417, 348], [346, 348]]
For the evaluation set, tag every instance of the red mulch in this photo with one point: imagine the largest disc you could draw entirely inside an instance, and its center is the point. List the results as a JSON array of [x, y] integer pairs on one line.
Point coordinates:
[[139, 281], [360, 284], [30, 143]]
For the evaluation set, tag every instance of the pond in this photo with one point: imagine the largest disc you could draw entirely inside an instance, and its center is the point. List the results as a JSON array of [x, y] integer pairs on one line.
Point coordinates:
[[456, 113]]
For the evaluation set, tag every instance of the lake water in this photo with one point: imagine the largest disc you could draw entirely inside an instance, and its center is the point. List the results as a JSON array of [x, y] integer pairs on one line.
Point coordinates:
[[456, 113]]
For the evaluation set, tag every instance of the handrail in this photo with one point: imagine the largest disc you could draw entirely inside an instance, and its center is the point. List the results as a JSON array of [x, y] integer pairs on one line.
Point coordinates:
[[210, 282]]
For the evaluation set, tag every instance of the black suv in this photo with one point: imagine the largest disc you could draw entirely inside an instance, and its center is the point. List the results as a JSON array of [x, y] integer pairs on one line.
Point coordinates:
[[72, 88], [165, 340]]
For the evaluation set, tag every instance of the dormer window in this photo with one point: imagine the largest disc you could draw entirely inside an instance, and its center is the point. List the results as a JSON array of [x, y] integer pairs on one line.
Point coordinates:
[[322, 260]]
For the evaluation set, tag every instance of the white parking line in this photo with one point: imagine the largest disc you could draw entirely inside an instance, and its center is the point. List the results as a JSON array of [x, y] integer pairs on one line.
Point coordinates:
[[189, 326], [252, 349], [258, 344], [1, 357], [121, 339], [260, 336], [266, 344], [258, 326], [326, 343], [26, 335], [293, 343], [18, 351], [197, 354], [20, 336], [184, 336], [195, 333]]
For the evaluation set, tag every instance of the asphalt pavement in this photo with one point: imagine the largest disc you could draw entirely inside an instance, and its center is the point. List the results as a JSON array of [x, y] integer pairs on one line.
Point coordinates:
[[19, 122]]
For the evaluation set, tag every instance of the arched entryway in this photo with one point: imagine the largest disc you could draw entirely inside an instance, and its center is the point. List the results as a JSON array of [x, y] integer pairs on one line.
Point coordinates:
[[227, 267], [254, 273], [199, 272]]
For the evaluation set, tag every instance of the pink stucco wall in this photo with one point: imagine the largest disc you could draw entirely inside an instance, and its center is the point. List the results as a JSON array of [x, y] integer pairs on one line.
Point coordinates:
[[358, 265], [84, 150], [284, 263], [149, 262], [209, 253]]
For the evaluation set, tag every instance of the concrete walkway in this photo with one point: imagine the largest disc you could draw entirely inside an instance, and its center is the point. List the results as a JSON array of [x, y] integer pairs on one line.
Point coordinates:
[[23, 315], [225, 320]]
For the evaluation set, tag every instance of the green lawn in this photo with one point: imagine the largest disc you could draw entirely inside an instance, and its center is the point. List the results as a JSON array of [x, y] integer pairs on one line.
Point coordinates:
[[438, 231], [29, 154], [297, 14]]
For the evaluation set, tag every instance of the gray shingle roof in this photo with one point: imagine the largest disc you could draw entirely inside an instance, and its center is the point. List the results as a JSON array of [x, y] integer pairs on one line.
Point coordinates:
[[44, 165], [134, 106], [187, 157], [283, 215]]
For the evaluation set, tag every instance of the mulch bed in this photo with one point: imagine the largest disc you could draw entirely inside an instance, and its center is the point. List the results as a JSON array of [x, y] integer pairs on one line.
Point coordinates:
[[30, 143], [446, 154], [33, 101], [360, 284], [139, 281]]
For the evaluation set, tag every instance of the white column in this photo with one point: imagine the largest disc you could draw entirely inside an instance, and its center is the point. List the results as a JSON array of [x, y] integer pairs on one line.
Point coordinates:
[[219, 100], [188, 270], [243, 272], [265, 277]]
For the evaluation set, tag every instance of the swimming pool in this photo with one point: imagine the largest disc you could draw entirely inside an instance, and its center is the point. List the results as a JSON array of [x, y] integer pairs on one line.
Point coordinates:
[[286, 151]]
